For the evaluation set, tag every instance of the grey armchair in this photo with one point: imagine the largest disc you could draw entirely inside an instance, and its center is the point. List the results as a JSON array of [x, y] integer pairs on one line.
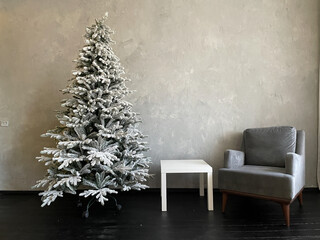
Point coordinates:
[[270, 166]]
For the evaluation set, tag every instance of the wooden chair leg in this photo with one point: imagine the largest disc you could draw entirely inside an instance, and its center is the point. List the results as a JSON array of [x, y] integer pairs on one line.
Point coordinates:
[[224, 201], [300, 199], [286, 212]]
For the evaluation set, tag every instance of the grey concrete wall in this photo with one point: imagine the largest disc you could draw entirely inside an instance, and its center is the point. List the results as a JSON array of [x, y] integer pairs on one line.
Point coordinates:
[[203, 70]]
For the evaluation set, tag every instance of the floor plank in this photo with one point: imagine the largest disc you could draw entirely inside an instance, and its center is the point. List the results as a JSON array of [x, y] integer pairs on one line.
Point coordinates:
[[21, 217]]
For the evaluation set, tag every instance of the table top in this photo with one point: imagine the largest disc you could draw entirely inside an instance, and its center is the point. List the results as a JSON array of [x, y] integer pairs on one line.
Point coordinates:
[[185, 166]]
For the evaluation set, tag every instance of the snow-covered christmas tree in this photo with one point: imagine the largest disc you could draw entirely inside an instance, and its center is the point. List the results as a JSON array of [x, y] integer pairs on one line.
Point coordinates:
[[99, 149]]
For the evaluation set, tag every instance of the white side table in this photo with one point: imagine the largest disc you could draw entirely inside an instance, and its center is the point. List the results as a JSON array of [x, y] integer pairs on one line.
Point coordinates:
[[186, 166]]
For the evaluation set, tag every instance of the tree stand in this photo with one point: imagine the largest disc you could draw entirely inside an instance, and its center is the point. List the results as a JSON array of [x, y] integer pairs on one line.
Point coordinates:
[[79, 203], [85, 213], [118, 206]]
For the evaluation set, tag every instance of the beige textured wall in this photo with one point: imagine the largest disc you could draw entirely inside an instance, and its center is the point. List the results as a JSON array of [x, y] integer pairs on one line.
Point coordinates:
[[203, 70]]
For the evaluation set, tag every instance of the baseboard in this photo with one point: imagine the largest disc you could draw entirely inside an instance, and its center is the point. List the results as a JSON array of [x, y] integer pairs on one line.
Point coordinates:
[[311, 189], [178, 190], [19, 192], [156, 190]]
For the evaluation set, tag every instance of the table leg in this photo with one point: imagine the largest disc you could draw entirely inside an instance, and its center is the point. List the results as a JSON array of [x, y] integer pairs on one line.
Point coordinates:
[[210, 191], [163, 192], [201, 185]]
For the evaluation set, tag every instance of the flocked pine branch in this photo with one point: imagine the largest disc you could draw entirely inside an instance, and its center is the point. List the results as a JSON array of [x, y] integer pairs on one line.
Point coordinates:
[[98, 146]]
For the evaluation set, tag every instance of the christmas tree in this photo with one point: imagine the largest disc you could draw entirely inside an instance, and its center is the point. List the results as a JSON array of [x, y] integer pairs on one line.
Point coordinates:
[[99, 149]]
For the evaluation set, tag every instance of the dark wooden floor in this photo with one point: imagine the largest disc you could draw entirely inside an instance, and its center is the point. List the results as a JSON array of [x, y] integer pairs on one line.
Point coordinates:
[[21, 217]]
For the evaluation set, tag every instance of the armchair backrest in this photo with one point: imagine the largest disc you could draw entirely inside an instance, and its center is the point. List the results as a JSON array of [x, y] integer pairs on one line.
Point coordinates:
[[269, 146]]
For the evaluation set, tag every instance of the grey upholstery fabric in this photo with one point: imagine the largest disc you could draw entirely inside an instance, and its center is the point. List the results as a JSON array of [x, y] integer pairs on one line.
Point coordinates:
[[300, 148], [233, 158], [269, 146], [293, 162], [280, 182], [300, 169], [260, 180]]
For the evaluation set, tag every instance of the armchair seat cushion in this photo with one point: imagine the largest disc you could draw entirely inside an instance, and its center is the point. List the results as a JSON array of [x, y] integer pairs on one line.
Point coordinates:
[[259, 180]]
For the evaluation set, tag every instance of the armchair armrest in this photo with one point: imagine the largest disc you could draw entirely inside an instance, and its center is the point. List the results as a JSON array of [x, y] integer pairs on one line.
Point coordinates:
[[293, 164], [233, 158]]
